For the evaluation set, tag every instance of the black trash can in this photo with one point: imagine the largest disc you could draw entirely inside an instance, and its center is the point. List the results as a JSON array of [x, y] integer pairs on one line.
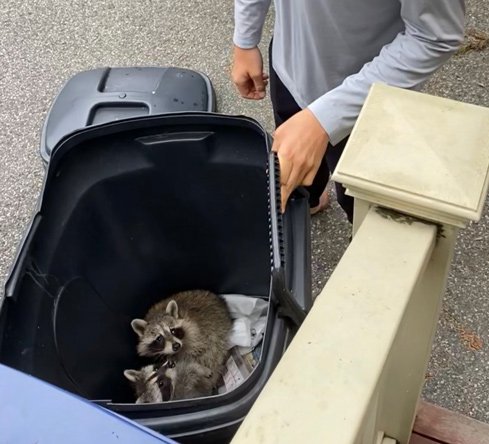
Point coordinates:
[[132, 211]]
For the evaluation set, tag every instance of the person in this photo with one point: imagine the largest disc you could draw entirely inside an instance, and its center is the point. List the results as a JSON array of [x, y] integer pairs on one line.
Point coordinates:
[[324, 56]]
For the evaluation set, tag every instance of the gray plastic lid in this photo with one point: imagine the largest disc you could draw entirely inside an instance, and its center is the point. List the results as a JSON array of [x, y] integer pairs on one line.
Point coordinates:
[[106, 94]]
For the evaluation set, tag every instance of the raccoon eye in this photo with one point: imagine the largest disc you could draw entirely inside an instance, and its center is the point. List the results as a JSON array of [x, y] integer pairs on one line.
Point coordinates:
[[159, 339], [177, 332]]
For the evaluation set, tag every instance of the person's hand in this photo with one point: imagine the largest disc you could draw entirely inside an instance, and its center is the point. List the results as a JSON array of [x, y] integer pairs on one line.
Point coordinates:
[[300, 143], [247, 73]]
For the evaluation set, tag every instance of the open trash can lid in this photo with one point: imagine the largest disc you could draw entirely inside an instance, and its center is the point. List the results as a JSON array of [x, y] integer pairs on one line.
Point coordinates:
[[108, 94], [35, 411]]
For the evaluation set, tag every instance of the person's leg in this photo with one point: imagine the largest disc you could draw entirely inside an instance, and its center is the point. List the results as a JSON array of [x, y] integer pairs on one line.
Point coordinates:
[[284, 107], [333, 154]]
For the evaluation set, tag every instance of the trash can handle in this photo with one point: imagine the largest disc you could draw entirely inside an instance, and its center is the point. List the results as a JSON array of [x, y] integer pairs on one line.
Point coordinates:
[[275, 217], [287, 306]]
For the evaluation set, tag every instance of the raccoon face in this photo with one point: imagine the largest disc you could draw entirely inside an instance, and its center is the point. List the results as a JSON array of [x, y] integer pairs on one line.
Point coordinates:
[[151, 385], [145, 382], [162, 336]]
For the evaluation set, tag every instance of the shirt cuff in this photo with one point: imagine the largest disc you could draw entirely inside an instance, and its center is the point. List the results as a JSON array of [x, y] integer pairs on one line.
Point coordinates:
[[245, 42], [332, 117]]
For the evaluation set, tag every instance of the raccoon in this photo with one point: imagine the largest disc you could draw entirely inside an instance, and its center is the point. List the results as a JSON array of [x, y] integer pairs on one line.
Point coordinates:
[[146, 386], [171, 381], [188, 379], [191, 325]]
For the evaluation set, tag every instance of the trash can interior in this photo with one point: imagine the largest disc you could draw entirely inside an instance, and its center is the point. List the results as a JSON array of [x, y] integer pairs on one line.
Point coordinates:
[[132, 212]]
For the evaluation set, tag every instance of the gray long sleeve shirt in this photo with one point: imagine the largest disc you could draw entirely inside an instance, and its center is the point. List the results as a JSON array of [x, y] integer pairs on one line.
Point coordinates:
[[329, 52]]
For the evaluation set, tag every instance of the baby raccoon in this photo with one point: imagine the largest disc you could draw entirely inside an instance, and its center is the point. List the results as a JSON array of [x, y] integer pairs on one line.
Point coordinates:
[[146, 386], [172, 381], [188, 379], [193, 325]]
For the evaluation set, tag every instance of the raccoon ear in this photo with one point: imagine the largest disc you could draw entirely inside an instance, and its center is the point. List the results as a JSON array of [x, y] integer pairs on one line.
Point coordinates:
[[131, 375], [138, 325], [172, 309]]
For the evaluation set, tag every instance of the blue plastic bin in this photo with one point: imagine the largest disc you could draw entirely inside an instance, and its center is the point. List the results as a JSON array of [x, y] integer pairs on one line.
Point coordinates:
[[33, 411]]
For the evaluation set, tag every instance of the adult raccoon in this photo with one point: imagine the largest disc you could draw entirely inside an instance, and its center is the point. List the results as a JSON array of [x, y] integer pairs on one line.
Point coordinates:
[[190, 325]]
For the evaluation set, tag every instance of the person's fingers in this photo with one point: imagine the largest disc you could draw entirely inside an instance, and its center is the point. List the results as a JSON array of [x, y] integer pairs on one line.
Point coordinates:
[[258, 95], [242, 84], [284, 194], [258, 81], [293, 181], [285, 169], [247, 90], [309, 177], [290, 178], [259, 84], [313, 167], [283, 198]]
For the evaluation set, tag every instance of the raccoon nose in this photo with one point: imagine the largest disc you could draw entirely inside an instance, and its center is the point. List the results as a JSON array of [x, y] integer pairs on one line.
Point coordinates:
[[176, 346]]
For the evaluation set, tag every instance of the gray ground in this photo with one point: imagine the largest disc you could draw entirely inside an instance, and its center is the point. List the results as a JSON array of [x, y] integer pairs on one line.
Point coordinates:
[[44, 42]]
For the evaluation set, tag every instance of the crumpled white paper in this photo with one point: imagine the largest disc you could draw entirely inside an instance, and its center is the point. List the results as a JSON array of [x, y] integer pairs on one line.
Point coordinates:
[[249, 314]]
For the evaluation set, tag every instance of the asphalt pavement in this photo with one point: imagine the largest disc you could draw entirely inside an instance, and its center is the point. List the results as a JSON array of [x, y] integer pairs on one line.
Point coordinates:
[[44, 42]]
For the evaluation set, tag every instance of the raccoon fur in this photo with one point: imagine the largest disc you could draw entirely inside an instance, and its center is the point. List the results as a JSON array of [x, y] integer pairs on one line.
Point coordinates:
[[145, 385], [172, 381], [188, 379], [191, 325]]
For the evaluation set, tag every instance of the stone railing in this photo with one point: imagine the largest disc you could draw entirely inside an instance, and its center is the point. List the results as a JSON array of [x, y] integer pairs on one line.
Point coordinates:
[[417, 166]]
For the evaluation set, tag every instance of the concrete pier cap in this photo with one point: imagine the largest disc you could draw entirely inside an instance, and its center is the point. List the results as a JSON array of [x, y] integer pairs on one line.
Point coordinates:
[[418, 154]]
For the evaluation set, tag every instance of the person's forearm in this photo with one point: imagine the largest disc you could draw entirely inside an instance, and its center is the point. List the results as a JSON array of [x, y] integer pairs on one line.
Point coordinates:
[[249, 17], [434, 31]]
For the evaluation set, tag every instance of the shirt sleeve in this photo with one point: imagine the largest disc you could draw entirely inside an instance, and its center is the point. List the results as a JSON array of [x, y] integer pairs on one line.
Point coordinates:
[[249, 17], [434, 29]]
